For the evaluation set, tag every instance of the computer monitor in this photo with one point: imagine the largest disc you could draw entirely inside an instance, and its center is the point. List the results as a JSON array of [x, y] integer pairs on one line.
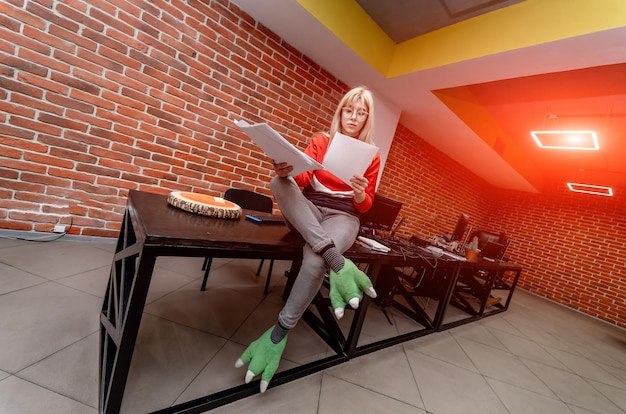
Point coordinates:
[[485, 236], [383, 213], [459, 228]]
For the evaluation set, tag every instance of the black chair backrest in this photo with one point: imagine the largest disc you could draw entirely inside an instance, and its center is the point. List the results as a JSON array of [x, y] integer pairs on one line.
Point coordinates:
[[249, 200], [485, 236]]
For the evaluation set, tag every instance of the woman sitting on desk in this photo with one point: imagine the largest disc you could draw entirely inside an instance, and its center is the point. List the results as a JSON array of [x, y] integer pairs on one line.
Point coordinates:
[[326, 214]]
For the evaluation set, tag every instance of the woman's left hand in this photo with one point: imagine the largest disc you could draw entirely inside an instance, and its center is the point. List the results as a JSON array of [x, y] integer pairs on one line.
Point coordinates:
[[359, 184]]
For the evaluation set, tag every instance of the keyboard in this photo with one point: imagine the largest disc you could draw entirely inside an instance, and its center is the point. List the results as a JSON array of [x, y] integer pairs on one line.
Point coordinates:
[[454, 256], [402, 246]]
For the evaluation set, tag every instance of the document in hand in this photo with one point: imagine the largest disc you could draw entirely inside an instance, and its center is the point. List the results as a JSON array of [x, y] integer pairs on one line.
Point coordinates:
[[278, 148], [343, 148]]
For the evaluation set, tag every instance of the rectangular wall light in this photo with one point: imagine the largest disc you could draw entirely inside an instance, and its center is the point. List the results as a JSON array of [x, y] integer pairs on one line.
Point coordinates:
[[590, 189], [572, 140]]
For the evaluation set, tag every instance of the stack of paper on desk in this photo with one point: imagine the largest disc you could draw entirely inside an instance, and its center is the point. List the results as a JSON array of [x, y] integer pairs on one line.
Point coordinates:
[[342, 148], [374, 245]]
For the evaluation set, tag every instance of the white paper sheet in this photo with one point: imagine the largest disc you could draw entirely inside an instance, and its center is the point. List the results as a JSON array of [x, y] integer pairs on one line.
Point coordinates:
[[278, 148], [347, 156]]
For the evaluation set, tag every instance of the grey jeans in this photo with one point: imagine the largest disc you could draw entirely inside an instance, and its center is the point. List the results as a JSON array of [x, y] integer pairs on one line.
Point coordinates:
[[318, 226]]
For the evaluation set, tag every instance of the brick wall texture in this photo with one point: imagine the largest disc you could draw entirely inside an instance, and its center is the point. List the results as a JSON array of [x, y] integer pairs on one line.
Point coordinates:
[[102, 96]]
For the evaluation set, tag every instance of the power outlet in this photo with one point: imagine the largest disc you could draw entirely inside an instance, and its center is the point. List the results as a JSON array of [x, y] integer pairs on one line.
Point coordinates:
[[59, 228]]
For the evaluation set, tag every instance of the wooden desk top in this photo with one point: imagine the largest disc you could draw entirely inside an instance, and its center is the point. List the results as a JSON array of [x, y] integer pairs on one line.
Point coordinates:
[[182, 233]]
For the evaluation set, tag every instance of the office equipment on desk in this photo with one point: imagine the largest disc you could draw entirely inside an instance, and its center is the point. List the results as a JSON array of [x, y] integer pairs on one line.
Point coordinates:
[[420, 241], [373, 244], [398, 245], [493, 251], [437, 251], [485, 236], [453, 256], [459, 228], [381, 216], [393, 231]]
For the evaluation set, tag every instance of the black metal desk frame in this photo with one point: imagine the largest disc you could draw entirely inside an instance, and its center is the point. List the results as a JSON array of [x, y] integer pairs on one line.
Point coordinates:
[[495, 275], [151, 228]]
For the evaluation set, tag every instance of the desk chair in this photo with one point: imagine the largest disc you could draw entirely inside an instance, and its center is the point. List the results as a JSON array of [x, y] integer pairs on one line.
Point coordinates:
[[475, 280], [248, 200]]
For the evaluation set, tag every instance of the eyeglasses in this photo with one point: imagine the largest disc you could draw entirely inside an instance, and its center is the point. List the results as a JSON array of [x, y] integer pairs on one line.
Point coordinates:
[[360, 114]]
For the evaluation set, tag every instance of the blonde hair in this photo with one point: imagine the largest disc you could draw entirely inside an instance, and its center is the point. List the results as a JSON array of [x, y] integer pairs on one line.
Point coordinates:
[[365, 96]]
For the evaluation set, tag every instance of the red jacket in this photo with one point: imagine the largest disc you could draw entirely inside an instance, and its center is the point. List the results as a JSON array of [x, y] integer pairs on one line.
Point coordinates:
[[321, 181]]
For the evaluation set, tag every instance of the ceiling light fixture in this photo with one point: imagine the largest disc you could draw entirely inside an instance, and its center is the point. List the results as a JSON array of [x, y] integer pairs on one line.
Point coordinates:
[[571, 140], [590, 189]]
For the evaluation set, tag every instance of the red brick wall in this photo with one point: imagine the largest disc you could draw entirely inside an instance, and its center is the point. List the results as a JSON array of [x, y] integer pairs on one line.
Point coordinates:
[[433, 187], [100, 97], [571, 246]]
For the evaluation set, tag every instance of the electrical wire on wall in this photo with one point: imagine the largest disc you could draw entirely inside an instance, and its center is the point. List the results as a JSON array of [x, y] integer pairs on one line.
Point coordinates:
[[46, 238]]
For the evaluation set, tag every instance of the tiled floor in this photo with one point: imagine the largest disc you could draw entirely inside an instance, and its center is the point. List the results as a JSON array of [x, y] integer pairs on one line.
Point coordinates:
[[535, 358]]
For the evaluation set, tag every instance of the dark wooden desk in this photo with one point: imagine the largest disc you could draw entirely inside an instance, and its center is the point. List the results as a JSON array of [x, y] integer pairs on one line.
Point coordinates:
[[152, 228]]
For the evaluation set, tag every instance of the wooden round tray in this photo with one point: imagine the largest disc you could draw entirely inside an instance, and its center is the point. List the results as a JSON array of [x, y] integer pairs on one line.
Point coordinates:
[[205, 205]]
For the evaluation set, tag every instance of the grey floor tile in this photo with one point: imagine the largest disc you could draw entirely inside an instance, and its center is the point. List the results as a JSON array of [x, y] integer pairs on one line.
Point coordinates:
[[521, 401], [585, 368], [8, 241], [528, 349], [165, 282], [301, 396], [240, 274], [477, 333], [166, 360], [188, 266], [572, 389], [386, 372], [189, 340], [217, 375], [498, 323], [93, 281], [442, 346], [12, 279], [579, 410], [219, 311], [37, 321], [605, 346], [617, 372], [23, 397], [56, 259], [615, 394], [446, 388], [503, 366], [333, 399], [72, 371]]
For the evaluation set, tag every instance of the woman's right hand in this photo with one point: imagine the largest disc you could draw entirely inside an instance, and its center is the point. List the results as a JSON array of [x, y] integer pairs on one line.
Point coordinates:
[[282, 169]]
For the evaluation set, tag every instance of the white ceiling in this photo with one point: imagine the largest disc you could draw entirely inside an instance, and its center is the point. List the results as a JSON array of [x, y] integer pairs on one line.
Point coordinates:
[[422, 112]]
